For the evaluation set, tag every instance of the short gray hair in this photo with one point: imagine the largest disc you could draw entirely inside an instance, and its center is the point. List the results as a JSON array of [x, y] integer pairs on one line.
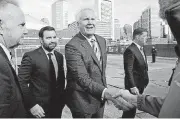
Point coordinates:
[[79, 14], [164, 4]]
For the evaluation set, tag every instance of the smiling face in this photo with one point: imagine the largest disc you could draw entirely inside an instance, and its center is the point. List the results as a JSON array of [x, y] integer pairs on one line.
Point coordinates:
[[87, 23], [12, 26]]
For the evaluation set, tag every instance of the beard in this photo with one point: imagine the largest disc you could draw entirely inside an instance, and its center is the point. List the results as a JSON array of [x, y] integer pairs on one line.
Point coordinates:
[[50, 47]]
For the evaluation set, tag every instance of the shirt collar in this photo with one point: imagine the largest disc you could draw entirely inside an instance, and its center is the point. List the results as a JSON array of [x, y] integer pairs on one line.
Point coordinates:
[[6, 51], [89, 39], [137, 45], [47, 51]]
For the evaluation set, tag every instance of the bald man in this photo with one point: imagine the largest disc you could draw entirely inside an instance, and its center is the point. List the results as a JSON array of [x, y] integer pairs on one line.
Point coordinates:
[[12, 29]]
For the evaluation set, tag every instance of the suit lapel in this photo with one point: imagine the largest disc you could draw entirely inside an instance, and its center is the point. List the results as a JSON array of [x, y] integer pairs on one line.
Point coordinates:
[[102, 50], [58, 61], [45, 61], [4, 55], [43, 55], [145, 59], [101, 46], [12, 69], [86, 45], [138, 54]]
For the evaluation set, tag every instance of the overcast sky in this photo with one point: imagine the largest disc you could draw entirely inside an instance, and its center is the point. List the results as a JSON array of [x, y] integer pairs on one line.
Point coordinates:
[[127, 11]]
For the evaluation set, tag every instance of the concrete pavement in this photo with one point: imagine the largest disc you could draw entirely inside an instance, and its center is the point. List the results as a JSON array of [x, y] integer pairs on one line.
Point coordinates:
[[159, 74]]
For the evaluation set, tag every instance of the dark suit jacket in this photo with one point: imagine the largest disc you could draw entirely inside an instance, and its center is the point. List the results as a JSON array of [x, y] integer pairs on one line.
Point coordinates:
[[34, 70], [10, 93], [135, 68], [85, 76], [171, 108], [150, 104]]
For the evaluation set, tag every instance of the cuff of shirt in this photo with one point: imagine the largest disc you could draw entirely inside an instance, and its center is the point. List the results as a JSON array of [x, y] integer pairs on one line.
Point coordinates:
[[102, 96]]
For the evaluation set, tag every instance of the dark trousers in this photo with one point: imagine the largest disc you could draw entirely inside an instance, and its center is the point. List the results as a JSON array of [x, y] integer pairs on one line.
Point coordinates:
[[131, 113], [55, 112], [19, 112], [98, 114], [153, 57], [15, 110]]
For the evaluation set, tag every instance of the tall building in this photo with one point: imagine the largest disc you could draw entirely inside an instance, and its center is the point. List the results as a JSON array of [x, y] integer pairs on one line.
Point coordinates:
[[105, 13], [116, 29], [60, 14], [151, 21], [103, 29], [128, 31], [137, 24]]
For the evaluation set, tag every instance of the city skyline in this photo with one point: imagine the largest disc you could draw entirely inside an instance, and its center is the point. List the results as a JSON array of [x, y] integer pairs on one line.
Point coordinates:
[[122, 8]]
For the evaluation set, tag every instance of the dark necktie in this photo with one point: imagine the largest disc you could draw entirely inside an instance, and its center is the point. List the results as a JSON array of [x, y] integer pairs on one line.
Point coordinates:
[[52, 74]]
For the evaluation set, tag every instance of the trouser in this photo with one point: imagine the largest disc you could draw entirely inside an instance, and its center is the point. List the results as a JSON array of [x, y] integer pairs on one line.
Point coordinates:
[[98, 114], [153, 58], [131, 113]]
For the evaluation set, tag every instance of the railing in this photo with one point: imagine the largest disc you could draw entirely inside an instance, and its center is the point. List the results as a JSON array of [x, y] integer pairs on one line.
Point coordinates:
[[20, 50]]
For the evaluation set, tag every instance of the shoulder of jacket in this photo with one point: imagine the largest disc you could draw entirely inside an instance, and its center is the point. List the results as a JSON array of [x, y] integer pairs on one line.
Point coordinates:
[[75, 41], [32, 52]]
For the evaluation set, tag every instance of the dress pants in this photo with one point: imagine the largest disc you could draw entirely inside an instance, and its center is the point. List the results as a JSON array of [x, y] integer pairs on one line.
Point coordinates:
[[98, 114], [131, 113]]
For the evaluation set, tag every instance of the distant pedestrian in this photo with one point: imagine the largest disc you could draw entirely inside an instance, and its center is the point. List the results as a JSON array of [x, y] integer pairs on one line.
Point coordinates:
[[154, 52]]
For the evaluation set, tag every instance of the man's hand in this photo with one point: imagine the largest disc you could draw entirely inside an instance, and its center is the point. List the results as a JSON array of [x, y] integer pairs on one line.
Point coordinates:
[[125, 94], [134, 91], [108, 94], [37, 111], [122, 104]]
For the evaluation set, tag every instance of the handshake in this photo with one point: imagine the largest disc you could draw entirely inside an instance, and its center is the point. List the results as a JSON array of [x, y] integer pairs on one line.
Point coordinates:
[[123, 100]]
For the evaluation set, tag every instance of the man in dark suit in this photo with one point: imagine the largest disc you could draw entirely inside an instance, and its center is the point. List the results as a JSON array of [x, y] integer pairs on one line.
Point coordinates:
[[86, 64], [135, 67], [42, 69], [12, 29]]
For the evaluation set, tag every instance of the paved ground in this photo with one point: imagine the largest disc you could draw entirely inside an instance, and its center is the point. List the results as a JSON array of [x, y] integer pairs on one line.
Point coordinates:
[[159, 74]]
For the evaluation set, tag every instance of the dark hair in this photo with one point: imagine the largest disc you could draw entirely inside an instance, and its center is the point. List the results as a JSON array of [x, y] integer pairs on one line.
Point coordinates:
[[138, 31], [46, 28]]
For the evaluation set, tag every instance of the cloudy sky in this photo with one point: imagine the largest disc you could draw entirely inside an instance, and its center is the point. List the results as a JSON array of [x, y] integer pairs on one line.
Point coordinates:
[[127, 11]]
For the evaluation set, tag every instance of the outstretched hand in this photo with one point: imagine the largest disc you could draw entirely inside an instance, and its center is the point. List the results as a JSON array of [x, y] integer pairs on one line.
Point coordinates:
[[122, 104], [126, 95]]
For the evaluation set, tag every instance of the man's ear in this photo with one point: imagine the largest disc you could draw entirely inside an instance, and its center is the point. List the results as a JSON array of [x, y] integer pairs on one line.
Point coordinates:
[[137, 37], [41, 41]]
